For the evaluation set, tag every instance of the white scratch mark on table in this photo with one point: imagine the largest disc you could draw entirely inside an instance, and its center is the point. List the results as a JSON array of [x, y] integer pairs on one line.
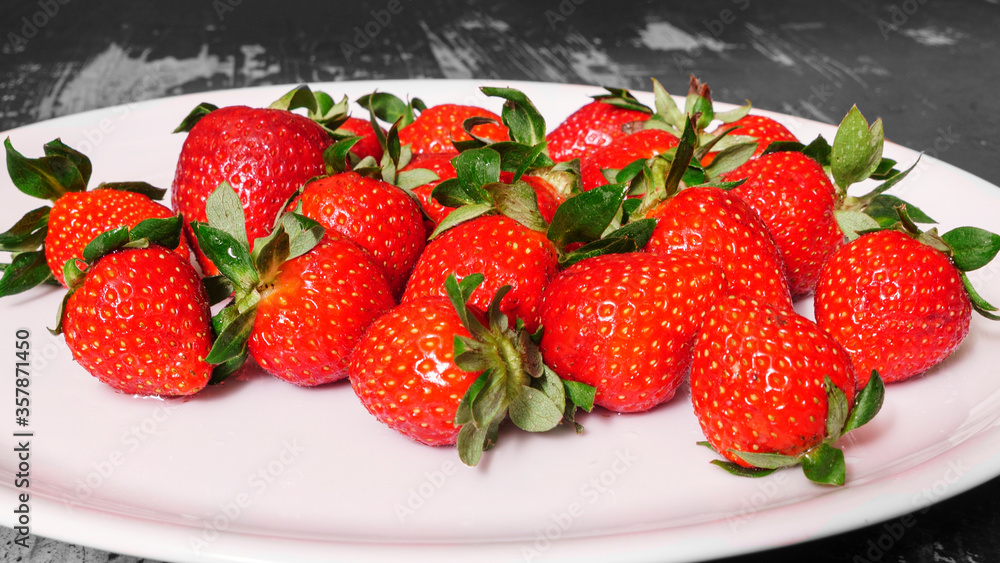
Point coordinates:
[[662, 36], [934, 37]]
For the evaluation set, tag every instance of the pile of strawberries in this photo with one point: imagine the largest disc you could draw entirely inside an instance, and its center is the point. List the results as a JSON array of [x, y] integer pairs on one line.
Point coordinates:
[[462, 268]]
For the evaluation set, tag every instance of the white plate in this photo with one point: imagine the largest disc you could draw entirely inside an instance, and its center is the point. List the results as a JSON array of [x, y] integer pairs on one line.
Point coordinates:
[[259, 470]]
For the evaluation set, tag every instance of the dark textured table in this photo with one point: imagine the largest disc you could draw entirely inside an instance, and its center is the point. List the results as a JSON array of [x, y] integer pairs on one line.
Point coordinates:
[[929, 69]]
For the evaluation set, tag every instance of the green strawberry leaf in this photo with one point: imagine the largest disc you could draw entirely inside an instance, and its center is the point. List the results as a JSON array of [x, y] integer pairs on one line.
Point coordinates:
[[836, 409], [857, 149], [26, 270], [682, 158], [886, 169], [469, 126], [866, 404], [106, 242], [232, 336], [622, 98], [303, 233], [518, 158], [667, 111], [298, 97], [57, 148], [519, 202], [698, 104], [475, 168], [740, 471], [972, 247], [471, 443], [28, 233], [882, 208], [73, 274], [825, 465], [409, 179], [979, 304], [632, 237], [524, 122], [224, 210], [164, 231], [585, 216], [766, 460], [390, 108], [200, 111], [532, 410], [463, 415], [855, 223], [461, 215], [141, 188], [219, 288], [730, 159], [48, 177], [458, 293], [338, 155], [734, 114], [230, 256], [580, 394], [269, 253]]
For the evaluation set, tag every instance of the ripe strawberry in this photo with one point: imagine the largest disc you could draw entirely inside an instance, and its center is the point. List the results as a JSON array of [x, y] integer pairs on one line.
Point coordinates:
[[378, 216], [437, 127], [796, 200], [626, 324], [76, 217], [431, 370], [721, 228], [440, 164], [315, 310], [507, 252], [301, 300], [898, 305], [138, 318], [264, 154], [764, 129], [621, 152], [772, 389], [592, 126], [368, 145]]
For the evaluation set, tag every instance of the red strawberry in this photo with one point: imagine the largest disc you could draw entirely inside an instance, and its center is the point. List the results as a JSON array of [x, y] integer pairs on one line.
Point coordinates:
[[897, 305], [592, 126], [764, 129], [431, 370], [437, 127], [723, 229], [796, 200], [378, 216], [404, 370], [626, 324], [368, 145], [771, 389], [316, 310], [138, 319], [264, 154], [504, 250], [440, 164], [76, 217], [621, 152]]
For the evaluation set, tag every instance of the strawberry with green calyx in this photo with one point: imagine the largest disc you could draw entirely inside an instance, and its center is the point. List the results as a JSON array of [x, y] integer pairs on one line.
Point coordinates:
[[899, 299], [301, 300], [595, 125], [136, 315], [45, 238], [626, 324], [265, 154], [771, 389], [621, 152], [699, 109], [431, 370]]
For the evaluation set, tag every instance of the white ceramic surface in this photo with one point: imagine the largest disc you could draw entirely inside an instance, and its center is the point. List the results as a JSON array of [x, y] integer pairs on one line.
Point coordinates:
[[259, 470]]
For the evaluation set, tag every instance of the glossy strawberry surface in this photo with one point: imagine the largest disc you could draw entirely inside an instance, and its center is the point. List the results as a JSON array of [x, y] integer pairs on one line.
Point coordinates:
[[592, 126], [140, 322], [897, 305], [626, 324], [436, 127], [621, 152]]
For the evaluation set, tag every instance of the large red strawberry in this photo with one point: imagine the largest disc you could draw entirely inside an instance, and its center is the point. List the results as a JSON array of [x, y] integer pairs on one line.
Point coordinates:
[[626, 324], [301, 299], [438, 127], [138, 318], [796, 200], [720, 227], [76, 217], [264, 154], [763, 129], [623, 151], [772, 389], [505, 251], [432, 371], [376, 215], [898, 305], [594, 125]]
